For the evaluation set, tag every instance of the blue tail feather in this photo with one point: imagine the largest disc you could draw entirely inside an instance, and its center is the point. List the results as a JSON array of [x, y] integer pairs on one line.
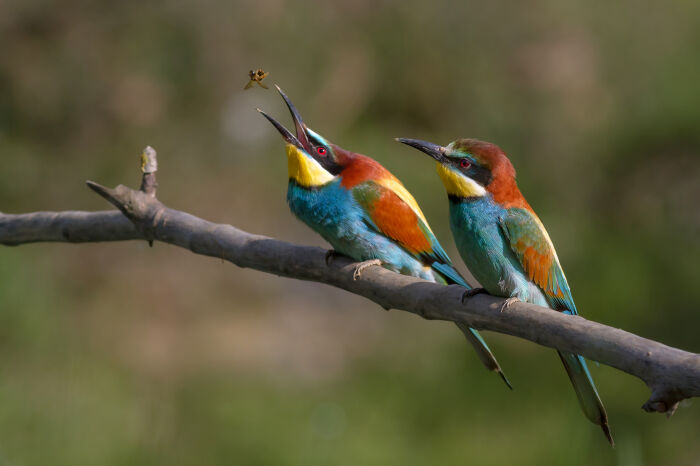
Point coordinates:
[[451, 274], [483, 352], [586, 391]]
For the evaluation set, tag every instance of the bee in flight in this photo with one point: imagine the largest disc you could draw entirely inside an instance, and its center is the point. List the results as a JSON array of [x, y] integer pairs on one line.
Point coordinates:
[[256, 76]]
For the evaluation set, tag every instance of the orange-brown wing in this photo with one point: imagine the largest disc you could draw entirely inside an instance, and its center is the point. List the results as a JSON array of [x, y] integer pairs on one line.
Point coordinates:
[[531, 244], [388, 213]]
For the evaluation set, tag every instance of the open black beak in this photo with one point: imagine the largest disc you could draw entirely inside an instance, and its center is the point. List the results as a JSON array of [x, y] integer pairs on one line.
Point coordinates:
[[301, 140], [435, 151], [298, 123], [289, 137]]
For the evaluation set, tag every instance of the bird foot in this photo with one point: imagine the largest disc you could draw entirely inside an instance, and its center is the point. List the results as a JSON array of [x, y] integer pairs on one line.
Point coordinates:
[[330, 255], [363, 265], [508, 302], [473, 292]]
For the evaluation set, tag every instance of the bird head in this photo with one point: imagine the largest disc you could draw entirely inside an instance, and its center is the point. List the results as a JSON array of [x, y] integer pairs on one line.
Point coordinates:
[[470, 168], [311, 160]]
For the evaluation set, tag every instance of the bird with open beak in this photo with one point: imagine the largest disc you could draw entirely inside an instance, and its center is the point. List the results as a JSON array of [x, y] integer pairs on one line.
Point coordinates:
[[365, 213]]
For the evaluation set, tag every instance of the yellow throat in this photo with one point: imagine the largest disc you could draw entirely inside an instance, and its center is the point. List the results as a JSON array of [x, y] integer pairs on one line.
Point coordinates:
[[306, 171], [459, 185]]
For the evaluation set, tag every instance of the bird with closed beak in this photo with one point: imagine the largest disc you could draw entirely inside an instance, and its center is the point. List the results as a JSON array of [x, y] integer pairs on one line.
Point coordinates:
[[505, 245]]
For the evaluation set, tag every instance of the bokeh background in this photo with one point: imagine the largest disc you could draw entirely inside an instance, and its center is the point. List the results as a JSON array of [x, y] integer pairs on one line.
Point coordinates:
[[121, 354]]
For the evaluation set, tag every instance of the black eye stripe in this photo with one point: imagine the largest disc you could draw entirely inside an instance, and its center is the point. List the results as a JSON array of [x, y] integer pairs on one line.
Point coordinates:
[[474, 171], [324, 156], [462, 162]]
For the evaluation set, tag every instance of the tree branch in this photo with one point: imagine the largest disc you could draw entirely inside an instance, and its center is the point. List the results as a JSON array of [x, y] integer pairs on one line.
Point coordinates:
[[671, 374]]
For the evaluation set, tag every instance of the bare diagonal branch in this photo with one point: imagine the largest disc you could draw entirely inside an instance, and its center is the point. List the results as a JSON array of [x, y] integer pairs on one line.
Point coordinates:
[[672, 374]]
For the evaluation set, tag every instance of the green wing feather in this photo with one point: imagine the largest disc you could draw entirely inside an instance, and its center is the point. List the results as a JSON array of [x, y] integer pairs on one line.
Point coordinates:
[[531, 244]]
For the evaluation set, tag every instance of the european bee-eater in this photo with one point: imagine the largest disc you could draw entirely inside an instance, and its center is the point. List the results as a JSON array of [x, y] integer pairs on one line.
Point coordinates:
[[504, 243], [365, 213]]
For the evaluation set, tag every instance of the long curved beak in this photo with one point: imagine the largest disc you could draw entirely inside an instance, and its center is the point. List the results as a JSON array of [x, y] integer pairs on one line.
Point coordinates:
[[289, 137], [298, 123], [435, 151], [300, 140]]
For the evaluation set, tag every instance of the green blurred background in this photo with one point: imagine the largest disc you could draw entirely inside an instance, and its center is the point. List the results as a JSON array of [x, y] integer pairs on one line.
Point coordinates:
[[124, 355]]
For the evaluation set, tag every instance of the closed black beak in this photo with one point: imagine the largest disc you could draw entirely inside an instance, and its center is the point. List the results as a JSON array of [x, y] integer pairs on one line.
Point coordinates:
[[435, 151]]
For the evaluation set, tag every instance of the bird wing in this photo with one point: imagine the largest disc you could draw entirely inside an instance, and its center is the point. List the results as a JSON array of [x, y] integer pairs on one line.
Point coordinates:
[[534, 249], [531, 244], [250, 83], [393, 212]]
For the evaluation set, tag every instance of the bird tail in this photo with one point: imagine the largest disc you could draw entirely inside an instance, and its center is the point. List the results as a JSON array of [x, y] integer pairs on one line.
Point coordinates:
[[586, 392], [482, 349], [449, 275]]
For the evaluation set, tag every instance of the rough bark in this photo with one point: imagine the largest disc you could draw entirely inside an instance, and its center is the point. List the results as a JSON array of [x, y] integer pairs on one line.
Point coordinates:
[[671, 374]]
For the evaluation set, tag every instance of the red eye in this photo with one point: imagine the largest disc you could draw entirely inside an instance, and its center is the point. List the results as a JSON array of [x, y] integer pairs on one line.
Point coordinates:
[[321, 151], [464, 163]]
